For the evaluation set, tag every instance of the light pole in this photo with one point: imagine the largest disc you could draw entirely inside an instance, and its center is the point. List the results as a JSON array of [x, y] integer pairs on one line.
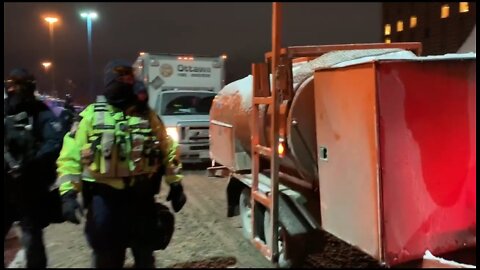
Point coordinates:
[[51, 21], [47, 65], [90, 16]]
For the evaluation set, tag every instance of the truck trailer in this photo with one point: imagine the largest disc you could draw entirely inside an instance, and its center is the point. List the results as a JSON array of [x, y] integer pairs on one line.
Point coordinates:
[[371, 143]]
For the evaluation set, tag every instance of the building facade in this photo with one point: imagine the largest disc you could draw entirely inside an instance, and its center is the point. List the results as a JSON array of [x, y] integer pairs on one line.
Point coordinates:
[[441, 27]]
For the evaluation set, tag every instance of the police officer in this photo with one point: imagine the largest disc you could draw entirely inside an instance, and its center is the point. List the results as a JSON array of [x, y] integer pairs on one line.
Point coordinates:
[[117, 158], [32, 141]]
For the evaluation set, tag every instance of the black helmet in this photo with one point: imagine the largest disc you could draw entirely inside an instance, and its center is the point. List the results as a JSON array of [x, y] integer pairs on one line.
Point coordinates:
[[20, 88], [115, 70], [164, 227], [118, 82], [22, 78]]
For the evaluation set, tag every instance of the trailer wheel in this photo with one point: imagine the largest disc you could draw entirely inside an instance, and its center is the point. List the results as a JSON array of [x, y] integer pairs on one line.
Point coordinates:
[[245, 208], [283, 261]]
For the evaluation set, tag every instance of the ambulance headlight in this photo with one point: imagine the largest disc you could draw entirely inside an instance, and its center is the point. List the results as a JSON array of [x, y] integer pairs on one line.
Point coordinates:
[[173, 133]]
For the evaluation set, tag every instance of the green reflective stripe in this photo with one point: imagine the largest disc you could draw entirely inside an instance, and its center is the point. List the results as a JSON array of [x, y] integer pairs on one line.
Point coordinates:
[[88, 179], [86, 176], [173, 178], [94, 137], [65, 182], [118, 116], [68, 178], [65, 187]]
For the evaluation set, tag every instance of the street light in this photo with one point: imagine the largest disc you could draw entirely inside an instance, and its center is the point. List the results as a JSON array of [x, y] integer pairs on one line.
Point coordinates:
[[46, 65], [51, 21], [90, 16]]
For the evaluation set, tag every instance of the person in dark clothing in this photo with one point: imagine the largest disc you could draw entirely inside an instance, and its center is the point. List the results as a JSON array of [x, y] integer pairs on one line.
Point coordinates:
[[68, 114], [32, 142]]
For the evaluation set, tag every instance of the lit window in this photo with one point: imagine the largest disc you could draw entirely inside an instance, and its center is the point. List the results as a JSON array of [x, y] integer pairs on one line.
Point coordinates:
[[463, 7], [399, 26], [445, 12], [413, 21], [388, 40], [388, 29]]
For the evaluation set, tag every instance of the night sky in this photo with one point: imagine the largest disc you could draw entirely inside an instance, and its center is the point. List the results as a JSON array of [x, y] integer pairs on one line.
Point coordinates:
[[240, 30]]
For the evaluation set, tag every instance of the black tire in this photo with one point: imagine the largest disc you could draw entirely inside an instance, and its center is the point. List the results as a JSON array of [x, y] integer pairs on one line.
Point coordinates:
[[245, 208], [283, 261]]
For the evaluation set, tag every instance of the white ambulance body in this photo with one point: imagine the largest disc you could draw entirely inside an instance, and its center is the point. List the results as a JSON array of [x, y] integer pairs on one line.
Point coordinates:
[[181, 89]]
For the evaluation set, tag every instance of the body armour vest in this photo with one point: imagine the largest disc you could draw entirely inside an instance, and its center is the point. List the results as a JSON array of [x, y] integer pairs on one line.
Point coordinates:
[[120, 145]]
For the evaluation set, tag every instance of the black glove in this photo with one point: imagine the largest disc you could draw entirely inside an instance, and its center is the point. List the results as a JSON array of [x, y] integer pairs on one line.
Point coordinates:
[[177, 196], [71, 209]]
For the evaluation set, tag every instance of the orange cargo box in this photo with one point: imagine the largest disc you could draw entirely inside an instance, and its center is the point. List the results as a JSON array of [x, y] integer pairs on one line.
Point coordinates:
[[397, 155]]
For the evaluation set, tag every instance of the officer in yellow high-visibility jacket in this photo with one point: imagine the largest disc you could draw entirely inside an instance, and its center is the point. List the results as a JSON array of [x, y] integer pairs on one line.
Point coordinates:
[[117, 156]]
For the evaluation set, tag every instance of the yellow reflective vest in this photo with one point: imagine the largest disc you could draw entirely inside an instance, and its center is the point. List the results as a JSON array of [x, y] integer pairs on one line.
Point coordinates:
[[110, 145]]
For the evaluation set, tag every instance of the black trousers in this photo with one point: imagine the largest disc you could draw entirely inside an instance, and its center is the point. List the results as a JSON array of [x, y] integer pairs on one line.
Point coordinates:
[[118, 219], [30, 204], [32, 236]]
